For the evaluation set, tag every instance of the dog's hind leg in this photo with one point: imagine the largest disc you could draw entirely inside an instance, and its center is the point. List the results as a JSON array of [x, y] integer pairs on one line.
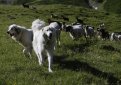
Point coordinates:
[[36, 50], [27, 52]]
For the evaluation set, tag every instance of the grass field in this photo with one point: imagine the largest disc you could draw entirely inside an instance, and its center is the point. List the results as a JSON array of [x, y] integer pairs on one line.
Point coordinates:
[[75, 62]]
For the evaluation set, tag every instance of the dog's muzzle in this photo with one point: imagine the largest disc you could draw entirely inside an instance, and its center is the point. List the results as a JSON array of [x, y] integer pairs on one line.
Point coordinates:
[[8, 32], [11, 34]]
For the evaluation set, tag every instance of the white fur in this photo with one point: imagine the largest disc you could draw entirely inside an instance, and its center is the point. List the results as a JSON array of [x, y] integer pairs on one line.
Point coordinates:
[[44, 42], [23, 36]]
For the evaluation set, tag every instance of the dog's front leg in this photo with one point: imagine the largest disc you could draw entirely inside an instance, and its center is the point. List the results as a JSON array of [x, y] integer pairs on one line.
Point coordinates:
[[50, 59]]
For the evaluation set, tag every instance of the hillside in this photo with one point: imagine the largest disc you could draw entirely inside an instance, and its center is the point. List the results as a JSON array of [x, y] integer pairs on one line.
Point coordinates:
[[96, 62], [68, 2], [113, 6], [83, 3], [109, 5]]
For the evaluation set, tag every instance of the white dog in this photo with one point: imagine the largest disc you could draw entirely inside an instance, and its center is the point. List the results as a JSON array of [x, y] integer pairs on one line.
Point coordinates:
[[43, 41], [23, 36]]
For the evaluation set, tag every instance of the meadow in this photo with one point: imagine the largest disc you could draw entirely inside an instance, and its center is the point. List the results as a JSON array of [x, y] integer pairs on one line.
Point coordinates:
[[96, 62]]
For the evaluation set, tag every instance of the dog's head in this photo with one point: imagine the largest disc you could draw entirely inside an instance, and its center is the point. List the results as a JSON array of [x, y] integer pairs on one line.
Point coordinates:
[[13, 30], [48, 32]]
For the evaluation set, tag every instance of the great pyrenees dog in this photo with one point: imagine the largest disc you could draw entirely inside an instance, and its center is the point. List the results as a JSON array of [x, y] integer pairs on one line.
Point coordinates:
[[23, 36], [43, 41]]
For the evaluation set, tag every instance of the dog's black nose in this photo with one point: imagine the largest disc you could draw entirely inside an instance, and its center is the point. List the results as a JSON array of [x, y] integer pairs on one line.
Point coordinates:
[[8, 32]]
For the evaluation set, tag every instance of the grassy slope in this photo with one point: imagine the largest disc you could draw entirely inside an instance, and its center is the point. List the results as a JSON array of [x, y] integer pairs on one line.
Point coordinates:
[[68, 2], [113, 6], [75, 62]]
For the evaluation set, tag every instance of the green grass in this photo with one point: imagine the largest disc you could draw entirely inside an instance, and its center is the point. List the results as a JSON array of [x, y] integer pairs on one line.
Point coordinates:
[[113, 6], [75, 62]]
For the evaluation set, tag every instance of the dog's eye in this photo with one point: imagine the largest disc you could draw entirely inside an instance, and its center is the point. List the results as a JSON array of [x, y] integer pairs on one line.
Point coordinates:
[[12, 28]]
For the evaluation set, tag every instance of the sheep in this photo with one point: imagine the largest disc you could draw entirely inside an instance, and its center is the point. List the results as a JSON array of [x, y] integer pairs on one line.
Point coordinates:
[[75, 31]]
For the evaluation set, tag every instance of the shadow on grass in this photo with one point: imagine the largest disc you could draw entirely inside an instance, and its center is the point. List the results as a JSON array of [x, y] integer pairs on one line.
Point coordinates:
[[79, 47], [109, 48], [76, 65]]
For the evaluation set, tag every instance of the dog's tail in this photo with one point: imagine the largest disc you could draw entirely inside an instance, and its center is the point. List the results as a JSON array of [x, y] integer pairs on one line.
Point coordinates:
[[37, 25]]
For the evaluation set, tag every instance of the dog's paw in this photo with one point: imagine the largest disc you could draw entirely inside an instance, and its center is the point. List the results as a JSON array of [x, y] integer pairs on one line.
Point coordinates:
[[40, 63], [50, 71]]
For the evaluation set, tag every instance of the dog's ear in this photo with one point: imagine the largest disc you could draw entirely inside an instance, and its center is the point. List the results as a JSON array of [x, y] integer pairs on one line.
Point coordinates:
[[17, 29]]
